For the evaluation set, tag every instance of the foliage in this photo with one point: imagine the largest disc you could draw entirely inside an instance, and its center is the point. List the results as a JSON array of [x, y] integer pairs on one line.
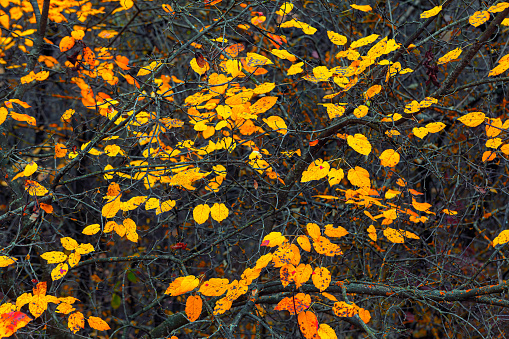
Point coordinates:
[[253, 169]]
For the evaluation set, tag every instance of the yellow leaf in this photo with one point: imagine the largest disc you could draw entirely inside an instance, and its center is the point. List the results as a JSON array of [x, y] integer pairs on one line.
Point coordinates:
[[214, 287], [335, 176], [182, 285], [126, 4], [315, 171], [493, 127], [359, 177], [54, 257], [326, 332], [84, 248], [449, 212], [364, 41], [334, 111], [502, 238], [273, 239], [66, 117], [219, 212], [299, 24], [359, 143], [505, 149], [6, 260], [313, 230], [295, 69], [201, 213], [277, 124], [420, 132], [498, 7], [133, 203], [74, 259], [130, 229], [197, 68], [332, 232], [363, 8], [391, 194], [113, 150], [302, 274], [111, 208], [60, 150], [59, 272], [323, 246], [478, 18], [494, 143], [361, 111], [256, 60], [264, 88], [364, 315], [263, 105], [308, 324], [499, 69], [336, 39], [98, 323], [321, 73], [284, 54], [285, 8], [452, 55], [69, 243], [329, 296], [154, 65], [389, 158], [321, 278], [394, 235], [30, 169], [194, 306], [372, 233], [3, 114], [435, 127], [431, 13]]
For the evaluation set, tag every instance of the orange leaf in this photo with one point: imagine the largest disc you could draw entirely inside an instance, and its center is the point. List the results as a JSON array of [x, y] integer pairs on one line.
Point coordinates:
[[300, 302], [286, 254], [182, 285], [194, 306], [98, 323], [287, 274], [321, 278], [313, 230], [323, 246], [11, 322], [66, 43], [24, 117], [76, 321], [389, 158], [308, 324], [304, 243], [214, 287]]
